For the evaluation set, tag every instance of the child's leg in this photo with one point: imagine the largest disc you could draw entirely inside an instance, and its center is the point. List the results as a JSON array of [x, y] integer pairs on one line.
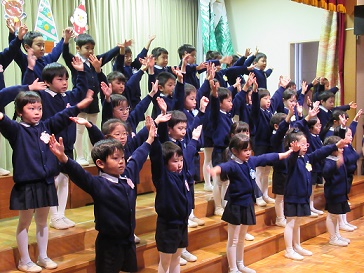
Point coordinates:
[[79, 141], [174, 266], [297, 239], [25, 218], [262, 181], [58, 219], [207, 162], [332, 224], [92, 118], [288, 239], [312, 197], [40, 218], [279, 208], [337, 232], [240, 251], [342, 223], [347, 223], [231, 246], [216, 193], [164, 262]]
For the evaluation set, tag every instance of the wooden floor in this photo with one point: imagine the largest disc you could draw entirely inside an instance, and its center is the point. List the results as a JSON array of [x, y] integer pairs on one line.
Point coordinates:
[[326, 258]]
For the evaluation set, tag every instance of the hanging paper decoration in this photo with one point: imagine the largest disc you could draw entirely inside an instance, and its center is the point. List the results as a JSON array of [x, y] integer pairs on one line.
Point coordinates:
[[79, 19], [215, 27], [45, 23], [14, 10]]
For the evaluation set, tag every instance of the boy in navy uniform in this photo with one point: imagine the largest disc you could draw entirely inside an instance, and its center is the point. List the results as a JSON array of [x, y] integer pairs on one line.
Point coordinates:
[[114, 196]]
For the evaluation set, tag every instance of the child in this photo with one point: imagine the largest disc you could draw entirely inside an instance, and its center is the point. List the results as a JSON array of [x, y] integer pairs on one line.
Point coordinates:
[[321, 86], [336, 192], [327, 100], [263, 107], [85, 49], [239, 211], [280, 123], [160, 55], [124, 61], [223, 109], [298, 189], [35, 40], [350, 159], [56, 98], [173, 202], [34, 171], [259, 60], [311, 127], [114, 199]]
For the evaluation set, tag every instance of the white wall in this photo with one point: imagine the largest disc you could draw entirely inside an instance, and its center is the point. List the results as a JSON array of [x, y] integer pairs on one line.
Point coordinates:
[[272, 26]]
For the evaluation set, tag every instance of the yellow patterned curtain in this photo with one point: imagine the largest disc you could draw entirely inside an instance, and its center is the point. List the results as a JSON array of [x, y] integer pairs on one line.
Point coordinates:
[[327, 60], [331, 5]]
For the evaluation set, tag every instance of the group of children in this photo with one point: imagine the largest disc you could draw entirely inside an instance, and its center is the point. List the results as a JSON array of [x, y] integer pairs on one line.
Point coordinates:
[[186, 117]]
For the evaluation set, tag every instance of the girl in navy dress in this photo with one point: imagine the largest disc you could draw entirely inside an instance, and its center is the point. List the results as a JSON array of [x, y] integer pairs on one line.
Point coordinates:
[[35, 168], [298, 189], [239, 211], [336, 192]]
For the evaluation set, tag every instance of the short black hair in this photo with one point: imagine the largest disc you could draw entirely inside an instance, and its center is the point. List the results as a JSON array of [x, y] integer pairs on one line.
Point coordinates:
[[23, 98], [331, 140], [169, 149], [263, 93], [156, 52], [324, 96], [163, 77], [277, 119], [176, 117], [223, 93], [29, 37], [116, 75], [110, 125], [52, 70], [116, 100], [213, 55], [259, 56], [189, 88], [83, 39], [185, 48], [239, 127], [289, 93], [104, 148]]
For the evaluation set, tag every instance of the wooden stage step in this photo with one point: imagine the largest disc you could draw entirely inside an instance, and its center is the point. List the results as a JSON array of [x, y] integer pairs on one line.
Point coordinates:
[[73, 249]]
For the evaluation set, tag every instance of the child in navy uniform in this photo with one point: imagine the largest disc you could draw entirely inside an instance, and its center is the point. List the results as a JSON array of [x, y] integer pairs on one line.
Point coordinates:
[[55, 99], [171, 172], [114, 195], [298, 189], [239, 211], [34, 170], [336, 192], [85, 49]]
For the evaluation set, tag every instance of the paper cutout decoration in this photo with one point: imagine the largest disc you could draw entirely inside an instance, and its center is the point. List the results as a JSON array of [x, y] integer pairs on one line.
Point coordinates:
[[79, 19], [45, 22], [13, 9]]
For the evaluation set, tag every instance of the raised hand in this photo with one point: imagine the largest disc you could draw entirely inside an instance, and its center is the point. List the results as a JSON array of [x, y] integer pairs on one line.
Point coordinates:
[[304, 87], [196, 133], [353, 105], [23, 29], [162, 118], [86, 101], [162, 105], [57, 148], [31, 58], [177, 71], [211, 70], [77, 63], [294, 146], [68, 33], [106, 89], [37, 85], [358, 115], [96, 63], [203, 104], [214, 85], [155, 88], [284, 81]]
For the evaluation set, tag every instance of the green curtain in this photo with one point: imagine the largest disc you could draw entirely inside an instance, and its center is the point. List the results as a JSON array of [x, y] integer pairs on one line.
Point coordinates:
[[174, 22], [214, 27]]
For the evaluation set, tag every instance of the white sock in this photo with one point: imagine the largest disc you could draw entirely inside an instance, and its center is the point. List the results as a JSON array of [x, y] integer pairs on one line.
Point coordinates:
[[41, 215]]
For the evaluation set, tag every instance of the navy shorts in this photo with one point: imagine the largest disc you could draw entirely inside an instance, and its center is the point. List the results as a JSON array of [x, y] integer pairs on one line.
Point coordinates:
[[171, 237]]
